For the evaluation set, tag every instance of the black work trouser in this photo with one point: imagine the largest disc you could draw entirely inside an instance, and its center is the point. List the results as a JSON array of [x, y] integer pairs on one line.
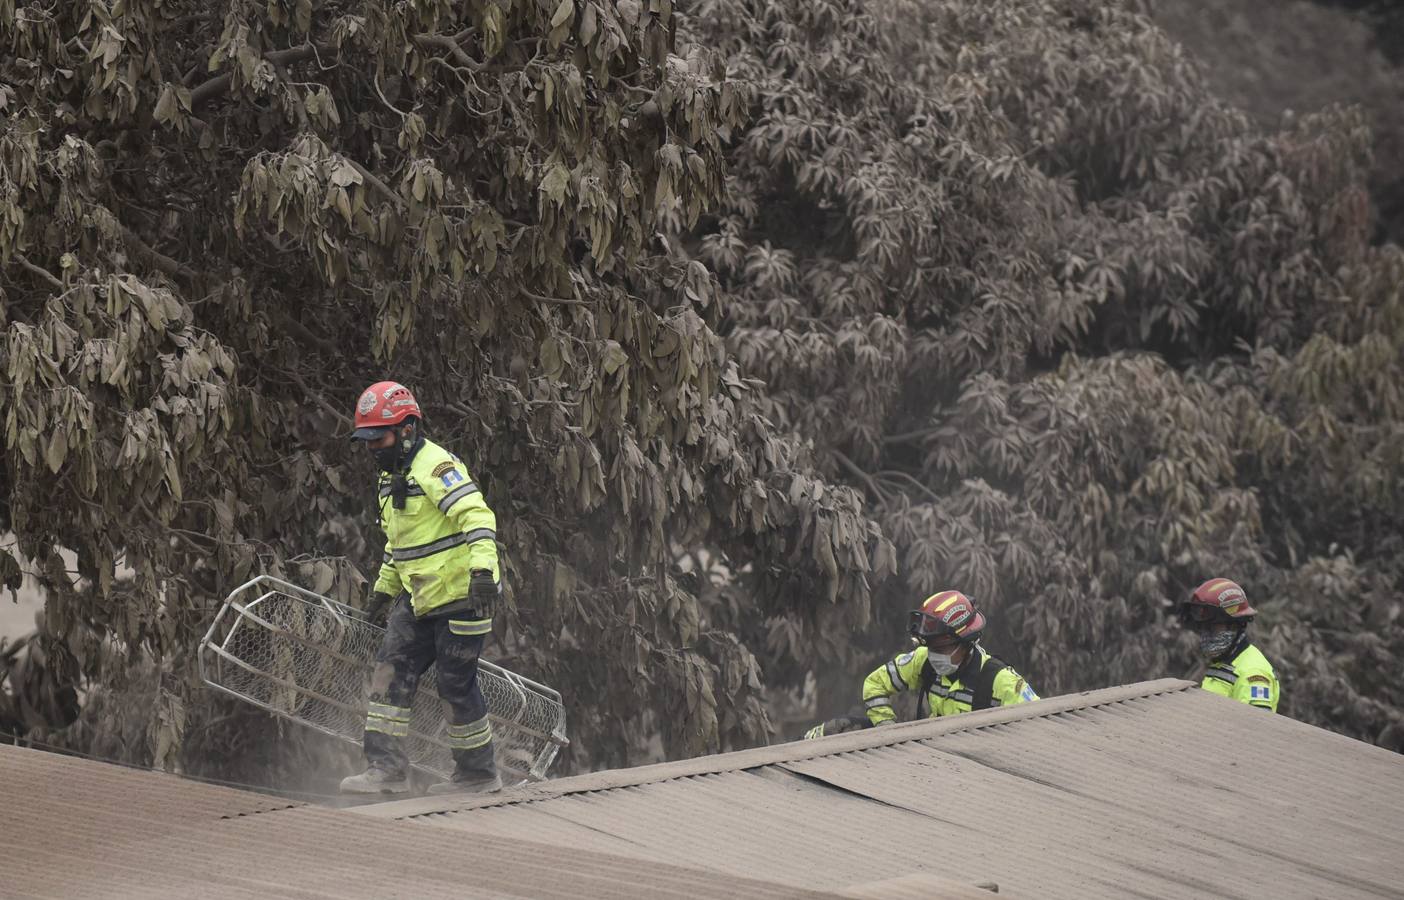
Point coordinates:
[[411, 644]]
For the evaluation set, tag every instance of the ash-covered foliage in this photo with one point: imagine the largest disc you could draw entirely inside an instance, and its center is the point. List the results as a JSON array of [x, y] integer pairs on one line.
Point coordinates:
[[735, 311], [1080, 332], [219, 222]]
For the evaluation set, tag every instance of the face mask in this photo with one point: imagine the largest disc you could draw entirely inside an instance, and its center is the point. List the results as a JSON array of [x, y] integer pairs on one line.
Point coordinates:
[[387, 457], [941, 663], [1214, 645]]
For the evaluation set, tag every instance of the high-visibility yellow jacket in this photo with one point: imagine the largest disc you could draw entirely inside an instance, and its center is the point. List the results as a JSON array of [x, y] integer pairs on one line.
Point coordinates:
[[445, 531], [981, 682], [1247, 678]]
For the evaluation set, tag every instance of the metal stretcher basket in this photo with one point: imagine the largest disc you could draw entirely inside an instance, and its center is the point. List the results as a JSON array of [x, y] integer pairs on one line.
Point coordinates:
[[307, 658]]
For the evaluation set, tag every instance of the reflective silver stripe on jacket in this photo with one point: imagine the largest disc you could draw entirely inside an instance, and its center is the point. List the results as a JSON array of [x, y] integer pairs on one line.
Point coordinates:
[[481, 534], [958, 696], [414, 491], [878, 701], [446, 543], [385, 559], [422, 550], [1225, 675], [896, 675], [458, 493]]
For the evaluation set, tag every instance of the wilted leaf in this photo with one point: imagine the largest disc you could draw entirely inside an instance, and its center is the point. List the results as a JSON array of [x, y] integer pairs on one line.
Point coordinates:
[[57, 452], [613, 357], [556, 183]]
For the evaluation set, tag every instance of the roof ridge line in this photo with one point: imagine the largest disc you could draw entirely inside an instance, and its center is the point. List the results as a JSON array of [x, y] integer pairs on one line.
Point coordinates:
[[788, 751]]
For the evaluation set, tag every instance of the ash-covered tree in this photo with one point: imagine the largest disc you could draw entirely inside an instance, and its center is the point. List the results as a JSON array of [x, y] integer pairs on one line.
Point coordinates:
[[218, 222], [1080, 332]]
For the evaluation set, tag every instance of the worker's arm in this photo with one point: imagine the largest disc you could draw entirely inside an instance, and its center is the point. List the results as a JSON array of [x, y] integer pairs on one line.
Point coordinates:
[[1010, 688], [460, 499], [388, 581], [1257, 689], [900, 673]]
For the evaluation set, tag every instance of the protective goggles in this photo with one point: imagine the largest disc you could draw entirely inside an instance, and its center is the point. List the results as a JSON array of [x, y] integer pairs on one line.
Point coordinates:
[[1196, 614], [920, 624]]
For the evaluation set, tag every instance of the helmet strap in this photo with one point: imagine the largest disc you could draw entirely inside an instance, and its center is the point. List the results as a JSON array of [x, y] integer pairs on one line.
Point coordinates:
[[972, 653], [399, 481], [1240, 641]]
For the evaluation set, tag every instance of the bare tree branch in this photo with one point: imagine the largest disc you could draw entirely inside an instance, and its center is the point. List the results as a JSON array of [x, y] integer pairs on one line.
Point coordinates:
[[315, 397], [161, 261], [895, 475], [375, 82], [449, 44], [559, 301], [39, 271], [862, 476], [376, 183], [909, 436], [219, 84], [305, 333], [214, 87]]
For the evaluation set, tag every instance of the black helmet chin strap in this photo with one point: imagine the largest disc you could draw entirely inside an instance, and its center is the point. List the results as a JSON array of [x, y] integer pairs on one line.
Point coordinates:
[[399, 478], [1240, 641]]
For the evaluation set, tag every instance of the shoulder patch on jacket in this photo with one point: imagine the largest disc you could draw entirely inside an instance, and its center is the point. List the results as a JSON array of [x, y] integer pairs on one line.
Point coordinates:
[[443, 468], [1261, 679]]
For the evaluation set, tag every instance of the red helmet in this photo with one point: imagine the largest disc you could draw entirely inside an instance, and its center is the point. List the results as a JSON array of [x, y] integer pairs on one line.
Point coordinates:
[[382, 405], [1217, 600], [947, 612]]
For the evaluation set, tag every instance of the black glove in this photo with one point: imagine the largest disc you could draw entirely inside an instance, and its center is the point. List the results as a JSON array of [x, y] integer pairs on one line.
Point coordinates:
[[483, 591], [378, 608]]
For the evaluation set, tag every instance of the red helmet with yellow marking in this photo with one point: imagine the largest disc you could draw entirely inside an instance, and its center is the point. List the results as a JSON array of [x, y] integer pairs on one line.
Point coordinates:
[[947, 613], [1217, 600]]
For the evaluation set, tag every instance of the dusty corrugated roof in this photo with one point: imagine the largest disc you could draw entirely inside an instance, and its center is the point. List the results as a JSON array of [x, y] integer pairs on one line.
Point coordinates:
[[919, 887], [77, 829], [1150, 790]]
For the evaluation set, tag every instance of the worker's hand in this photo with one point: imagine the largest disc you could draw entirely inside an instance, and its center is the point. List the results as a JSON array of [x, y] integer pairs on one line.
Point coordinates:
[[483, 591], [378, 608]]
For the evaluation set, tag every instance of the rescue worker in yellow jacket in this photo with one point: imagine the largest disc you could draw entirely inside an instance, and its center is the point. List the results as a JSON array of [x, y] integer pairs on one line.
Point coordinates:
[[948, 669], [1218, 612], [440, 551]]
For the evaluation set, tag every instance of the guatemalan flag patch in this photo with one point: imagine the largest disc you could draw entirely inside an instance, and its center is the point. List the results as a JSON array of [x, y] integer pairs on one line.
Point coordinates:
[[447, 472], [1259, 692]]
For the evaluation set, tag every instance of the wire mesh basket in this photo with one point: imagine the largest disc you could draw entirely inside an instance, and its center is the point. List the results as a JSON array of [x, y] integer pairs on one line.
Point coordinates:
[[307, 658]]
